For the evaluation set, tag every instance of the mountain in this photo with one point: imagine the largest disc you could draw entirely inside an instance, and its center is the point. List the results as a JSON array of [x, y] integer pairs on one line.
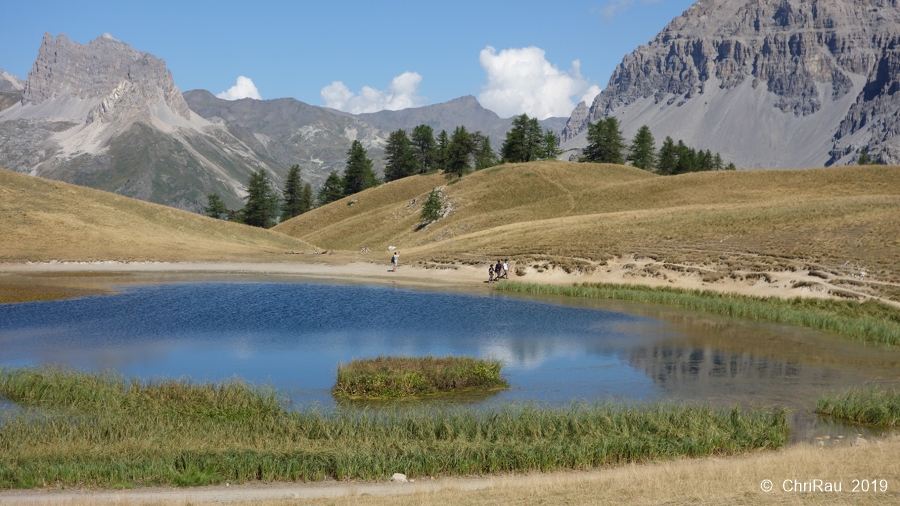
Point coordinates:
[[317, 138], [108, 116], [768, 83], [9, 82]]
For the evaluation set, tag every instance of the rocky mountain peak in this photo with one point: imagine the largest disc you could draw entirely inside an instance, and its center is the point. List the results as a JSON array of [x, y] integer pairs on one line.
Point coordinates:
[[789, 64], [9, 82], [106, 74]]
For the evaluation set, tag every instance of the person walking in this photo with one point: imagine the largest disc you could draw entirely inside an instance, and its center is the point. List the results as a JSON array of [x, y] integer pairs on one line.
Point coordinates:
[[506, 269], [395, 260], [490, 273]]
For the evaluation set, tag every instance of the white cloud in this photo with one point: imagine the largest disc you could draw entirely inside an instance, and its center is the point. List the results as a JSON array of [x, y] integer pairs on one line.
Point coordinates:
[[402, 93], [521, 80], [243, 89], [616, 7]]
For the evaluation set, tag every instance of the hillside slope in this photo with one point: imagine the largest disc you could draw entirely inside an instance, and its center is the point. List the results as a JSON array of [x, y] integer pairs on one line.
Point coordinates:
[[584, 214], [43, 220]]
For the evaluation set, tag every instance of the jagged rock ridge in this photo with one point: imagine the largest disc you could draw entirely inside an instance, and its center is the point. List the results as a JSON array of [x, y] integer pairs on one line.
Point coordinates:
[[9, 82], [109, 116], [769, 83]]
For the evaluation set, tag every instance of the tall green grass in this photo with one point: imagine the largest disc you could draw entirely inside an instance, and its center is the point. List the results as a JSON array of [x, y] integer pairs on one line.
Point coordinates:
[[870, 406], [103, 430], [396, 377], [869, 321]]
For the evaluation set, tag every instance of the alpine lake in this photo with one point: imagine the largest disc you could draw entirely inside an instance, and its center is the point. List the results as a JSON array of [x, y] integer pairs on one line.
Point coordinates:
[[291, 333]]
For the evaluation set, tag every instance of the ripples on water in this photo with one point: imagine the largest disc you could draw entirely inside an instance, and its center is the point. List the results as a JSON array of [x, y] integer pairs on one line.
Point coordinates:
[[293, 335]]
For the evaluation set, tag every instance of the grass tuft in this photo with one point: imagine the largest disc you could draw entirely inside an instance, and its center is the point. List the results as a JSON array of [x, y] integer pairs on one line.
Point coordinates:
[[395, 377], [96, 429], [869, 321], [870, 406]]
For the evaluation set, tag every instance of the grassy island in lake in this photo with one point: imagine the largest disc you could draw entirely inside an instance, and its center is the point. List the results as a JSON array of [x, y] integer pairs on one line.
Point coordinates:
[[400, 377]]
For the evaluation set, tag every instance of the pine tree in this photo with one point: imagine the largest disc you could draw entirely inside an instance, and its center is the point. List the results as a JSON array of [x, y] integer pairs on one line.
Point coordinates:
[[431, 208], [863, 157], [400, 158], [485, 156], [441, 152], [358, 174], [261, 208], [523, 141], [643, 149], [605, 142], [668, 158], [332, 190], [306, 198], [549, 146], [425, 148], [293, 195], [215, 208], [462, 146], [718, 164]]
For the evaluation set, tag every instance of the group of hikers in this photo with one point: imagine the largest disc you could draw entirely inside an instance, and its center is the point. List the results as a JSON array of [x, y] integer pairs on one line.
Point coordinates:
[[499, 271]]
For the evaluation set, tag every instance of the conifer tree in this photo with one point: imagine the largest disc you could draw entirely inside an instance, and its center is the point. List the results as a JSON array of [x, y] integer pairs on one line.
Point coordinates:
[[332, 190], [358, 173], [306, 198], [668, 158], [461, 147], [441, 152], [605, 142], [863, 157], [400, 158], [549, 146], [431, 208], [425, 148], [261, 208], [643, 149], [523, 141], [215, 208], [485, 156], [293, 195]]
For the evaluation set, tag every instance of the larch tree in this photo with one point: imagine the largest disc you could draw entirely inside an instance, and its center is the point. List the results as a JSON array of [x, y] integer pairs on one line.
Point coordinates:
[[215, 207], [261, 208], [293, 204], [425, 148], [643, 149], [400, 157], [358, 173], [332, 189]]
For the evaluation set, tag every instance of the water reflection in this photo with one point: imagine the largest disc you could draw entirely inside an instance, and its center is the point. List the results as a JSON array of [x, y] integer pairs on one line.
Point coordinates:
[[293, 335]]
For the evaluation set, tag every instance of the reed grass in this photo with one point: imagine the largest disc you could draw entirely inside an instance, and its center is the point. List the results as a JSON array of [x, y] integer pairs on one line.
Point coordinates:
[[869, 321], [401, 377], [870, 406], [96, 429]]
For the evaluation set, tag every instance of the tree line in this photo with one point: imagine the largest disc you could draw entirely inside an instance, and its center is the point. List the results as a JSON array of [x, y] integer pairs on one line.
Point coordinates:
[[406, 155], [607, 145]]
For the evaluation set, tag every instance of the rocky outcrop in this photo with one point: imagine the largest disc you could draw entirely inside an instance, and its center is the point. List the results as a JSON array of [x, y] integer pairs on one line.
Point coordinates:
[[9, 82], [108, 116], [105, 70], [814, 74]]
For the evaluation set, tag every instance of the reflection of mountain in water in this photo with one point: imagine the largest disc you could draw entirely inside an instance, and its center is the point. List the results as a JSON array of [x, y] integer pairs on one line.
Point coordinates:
[[708, 373]]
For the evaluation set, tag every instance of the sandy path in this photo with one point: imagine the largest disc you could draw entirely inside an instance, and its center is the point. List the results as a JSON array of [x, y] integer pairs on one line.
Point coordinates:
[[351, 268]]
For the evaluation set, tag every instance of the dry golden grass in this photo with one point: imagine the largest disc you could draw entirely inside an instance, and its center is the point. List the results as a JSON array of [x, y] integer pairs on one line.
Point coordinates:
[[43, 220], [840, 219], [710, 481]]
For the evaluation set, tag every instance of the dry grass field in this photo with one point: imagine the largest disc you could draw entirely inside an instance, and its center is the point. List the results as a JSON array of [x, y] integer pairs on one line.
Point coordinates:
[[43, 220], [545, 215], [709, 481]]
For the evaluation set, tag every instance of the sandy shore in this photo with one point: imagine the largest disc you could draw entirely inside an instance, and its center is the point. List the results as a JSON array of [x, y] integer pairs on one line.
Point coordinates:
[[628, 270]]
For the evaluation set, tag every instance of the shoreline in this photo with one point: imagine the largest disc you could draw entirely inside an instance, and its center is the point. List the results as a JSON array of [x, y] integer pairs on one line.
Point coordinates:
[[352, 268]]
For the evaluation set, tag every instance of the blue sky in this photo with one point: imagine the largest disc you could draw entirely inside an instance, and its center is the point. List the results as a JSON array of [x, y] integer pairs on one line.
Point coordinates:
[[515, 56]]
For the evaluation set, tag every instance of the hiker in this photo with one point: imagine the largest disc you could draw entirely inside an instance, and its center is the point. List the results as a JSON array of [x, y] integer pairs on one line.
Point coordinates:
[[395, 260], [498, 269], [506, 269], [490, 273]]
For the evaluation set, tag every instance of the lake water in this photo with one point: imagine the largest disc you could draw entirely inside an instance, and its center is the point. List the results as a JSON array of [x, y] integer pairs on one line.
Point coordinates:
[[555, 350]]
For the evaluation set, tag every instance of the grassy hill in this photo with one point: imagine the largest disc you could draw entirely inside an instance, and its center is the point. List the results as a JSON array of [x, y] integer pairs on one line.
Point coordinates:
[[43, 220], [583, 214]]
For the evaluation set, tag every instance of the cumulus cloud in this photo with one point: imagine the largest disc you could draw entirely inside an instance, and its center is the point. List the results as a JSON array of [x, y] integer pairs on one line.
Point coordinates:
[[243, 89], [521, 80], [402, 93]]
